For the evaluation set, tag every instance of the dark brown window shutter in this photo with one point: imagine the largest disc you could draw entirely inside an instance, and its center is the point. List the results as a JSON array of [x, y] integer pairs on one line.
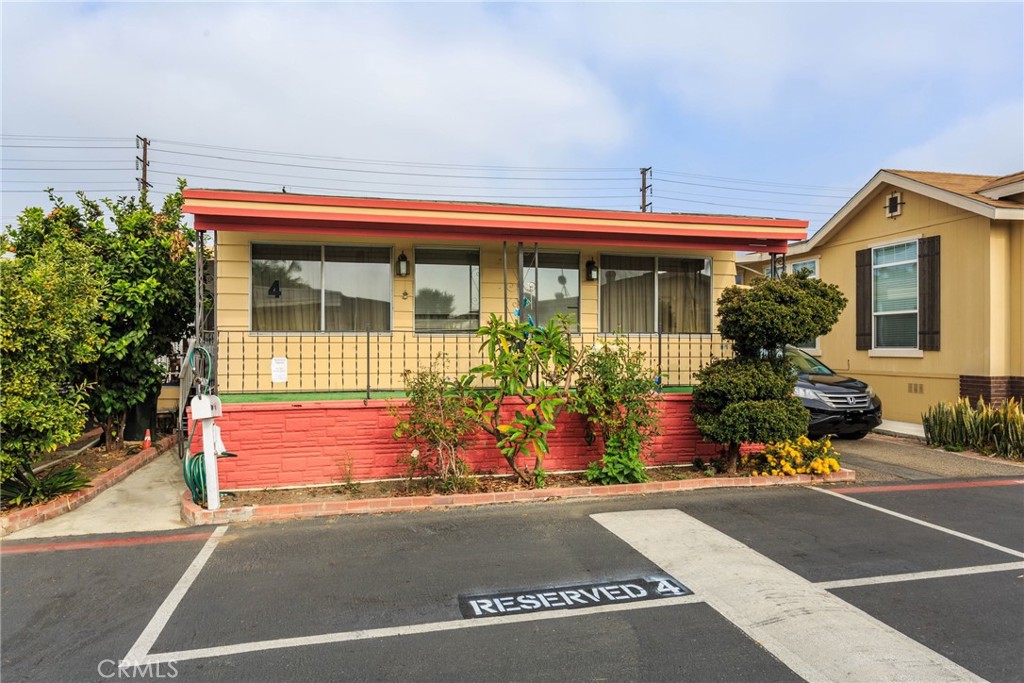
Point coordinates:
[[863, 300], [928, 286]]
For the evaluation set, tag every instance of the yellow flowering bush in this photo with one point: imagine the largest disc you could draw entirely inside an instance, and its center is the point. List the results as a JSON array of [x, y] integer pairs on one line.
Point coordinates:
[[799, 456]]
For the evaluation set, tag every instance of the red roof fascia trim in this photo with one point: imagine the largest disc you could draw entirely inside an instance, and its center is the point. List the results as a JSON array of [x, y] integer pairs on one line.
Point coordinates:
[[231, 216], [404, 231], [460, 207]]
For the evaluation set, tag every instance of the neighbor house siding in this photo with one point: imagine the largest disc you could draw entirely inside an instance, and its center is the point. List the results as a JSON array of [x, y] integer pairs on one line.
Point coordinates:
[[979, 295]]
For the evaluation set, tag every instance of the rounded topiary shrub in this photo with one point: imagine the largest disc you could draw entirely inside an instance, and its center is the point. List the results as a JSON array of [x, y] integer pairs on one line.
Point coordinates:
[[774, 313]]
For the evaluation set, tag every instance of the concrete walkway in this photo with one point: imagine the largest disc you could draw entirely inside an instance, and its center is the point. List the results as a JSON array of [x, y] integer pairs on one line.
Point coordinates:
[[147, 500], [894, 428]]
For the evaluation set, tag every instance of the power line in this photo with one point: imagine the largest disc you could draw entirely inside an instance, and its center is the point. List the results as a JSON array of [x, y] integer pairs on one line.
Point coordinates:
[[743, 189], [6, 146], [754, 182], [75, 189], [377, 183], [741, 206], [373, 171], [50, 168], [686, 195], [380, 162]]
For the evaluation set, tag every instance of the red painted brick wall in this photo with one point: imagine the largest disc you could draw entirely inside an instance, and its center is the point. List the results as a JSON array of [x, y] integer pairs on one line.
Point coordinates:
[[286, 444]]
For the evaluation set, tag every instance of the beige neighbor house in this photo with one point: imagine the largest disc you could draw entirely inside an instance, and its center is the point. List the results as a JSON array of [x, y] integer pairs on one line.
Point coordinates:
[[933, 266]]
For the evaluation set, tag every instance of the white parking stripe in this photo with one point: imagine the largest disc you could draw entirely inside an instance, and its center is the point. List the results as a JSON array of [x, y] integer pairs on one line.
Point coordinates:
[[410, 630], [152, 631], [915, 520], [777, 608], [921, 576]]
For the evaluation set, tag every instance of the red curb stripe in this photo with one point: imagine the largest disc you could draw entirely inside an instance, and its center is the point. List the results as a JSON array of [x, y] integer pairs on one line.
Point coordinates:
[[931, 487], [101, 543]]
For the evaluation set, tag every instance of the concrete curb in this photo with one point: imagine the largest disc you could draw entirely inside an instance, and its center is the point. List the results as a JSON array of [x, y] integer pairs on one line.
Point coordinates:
[[897, 434], [17, 520], [194, 515]]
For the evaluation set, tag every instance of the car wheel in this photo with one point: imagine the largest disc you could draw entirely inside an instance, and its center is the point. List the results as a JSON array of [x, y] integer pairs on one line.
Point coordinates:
[[853, 436]]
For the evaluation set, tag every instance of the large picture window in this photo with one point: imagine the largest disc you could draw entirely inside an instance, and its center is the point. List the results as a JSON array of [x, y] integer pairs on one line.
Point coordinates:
[[894, 295], [642, 294], [447, 290], [298, 288], [552, 286]]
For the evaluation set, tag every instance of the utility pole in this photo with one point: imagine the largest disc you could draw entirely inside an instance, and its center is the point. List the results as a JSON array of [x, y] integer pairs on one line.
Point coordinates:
[[143, 164], [645, 186]]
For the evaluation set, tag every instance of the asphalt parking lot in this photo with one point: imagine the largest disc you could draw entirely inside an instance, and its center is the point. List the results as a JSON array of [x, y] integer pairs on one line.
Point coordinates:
[[917, 580]]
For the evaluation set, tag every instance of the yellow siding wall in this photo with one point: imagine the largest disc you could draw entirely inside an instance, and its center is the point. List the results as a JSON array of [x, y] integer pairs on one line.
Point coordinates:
[[980, 309], [1016, 299], [332, 362]]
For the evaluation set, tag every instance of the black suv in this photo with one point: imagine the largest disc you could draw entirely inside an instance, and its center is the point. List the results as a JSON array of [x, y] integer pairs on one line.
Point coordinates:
[[842, 406]]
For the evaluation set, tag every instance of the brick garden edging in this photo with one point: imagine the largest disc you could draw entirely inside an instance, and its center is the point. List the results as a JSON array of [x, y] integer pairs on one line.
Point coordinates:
[[16, 520], [194, 515]]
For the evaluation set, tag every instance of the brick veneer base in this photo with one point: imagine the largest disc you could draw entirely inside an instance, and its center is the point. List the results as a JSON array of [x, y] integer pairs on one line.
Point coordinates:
[[992, 389], [195, 515], [16, 520], [299, 444]]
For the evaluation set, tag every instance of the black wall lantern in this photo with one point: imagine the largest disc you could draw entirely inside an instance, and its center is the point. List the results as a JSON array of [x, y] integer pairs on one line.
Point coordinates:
[[402, 265], [591, 270]]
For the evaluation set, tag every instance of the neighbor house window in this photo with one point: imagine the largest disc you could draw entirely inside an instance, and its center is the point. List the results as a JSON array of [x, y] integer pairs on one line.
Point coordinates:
[[642, 294], [447, 290], [894, 295], [298, 288], [811, 268], [551, 285]]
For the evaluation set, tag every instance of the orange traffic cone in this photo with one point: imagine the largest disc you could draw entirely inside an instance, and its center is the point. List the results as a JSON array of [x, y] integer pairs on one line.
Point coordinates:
[[147, 440]]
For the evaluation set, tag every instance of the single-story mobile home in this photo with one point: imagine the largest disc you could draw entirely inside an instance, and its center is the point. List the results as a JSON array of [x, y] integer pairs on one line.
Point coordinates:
[[323, 303]]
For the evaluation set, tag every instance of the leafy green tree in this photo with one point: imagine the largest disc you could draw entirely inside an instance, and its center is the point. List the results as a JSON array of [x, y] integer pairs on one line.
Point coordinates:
[[51, 298], [148, 271], [749, 398]]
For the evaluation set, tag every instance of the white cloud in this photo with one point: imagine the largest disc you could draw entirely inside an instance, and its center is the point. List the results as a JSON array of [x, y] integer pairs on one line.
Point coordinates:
[[990, 142], [345, 79]]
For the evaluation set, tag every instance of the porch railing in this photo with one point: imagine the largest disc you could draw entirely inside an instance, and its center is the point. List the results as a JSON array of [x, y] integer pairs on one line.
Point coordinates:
[[371, 363]]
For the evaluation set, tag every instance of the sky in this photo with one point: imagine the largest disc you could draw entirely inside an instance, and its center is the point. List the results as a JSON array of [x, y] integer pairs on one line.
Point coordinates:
[[763, 109]]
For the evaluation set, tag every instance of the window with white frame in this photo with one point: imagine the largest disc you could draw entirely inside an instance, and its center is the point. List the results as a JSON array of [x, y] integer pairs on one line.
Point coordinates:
[[645, 294], [552, 286], [447, 290], [811, 268], [309, 288], [894, 296]]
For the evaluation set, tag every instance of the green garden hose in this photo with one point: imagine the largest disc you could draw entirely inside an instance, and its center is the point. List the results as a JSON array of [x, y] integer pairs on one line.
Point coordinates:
[[193, 467]]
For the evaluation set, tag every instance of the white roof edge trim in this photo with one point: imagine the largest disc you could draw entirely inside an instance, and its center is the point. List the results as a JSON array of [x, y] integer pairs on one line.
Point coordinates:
[[904, 183], [1004, 190]]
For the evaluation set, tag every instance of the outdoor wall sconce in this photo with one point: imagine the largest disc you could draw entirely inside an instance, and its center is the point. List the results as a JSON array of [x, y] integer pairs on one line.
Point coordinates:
[[402, 265], [591, 270]]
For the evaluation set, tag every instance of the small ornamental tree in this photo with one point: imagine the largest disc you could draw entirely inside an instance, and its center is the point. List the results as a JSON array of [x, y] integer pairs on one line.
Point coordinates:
[[749, 398], [532, 366], [47, 327]]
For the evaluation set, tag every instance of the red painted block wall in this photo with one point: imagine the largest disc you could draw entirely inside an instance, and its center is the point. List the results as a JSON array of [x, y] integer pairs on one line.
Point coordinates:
[[294, 444]]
